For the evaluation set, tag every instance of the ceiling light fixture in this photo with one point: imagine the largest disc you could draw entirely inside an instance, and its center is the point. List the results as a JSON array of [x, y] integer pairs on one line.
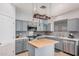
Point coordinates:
[[43, 7]]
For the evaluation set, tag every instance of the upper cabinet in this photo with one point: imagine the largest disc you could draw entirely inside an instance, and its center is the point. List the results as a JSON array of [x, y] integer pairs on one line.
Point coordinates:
[[60, 26], [21, 25], [73, 24], [67, 25], [24, 26], [44, 25]]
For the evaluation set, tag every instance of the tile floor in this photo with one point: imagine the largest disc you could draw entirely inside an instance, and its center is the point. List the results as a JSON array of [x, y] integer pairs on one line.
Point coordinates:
[[56, 54]]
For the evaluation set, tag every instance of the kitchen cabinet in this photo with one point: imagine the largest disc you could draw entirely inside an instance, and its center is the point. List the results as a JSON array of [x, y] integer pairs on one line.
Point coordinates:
[[72, 47], [59, 45], [25, 44], [18, 46], [45, 27], [69, 47], [21, 45], [42, 27], [67, 25], [24, 26], [19, 25], [73, 24], [38, 26], [66, 46], [60, 26], [50, 27]]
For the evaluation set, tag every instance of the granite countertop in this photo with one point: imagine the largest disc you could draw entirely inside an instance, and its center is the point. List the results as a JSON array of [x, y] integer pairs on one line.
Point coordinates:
[[22, 38], [56, 37], [42, 42], [66, 38]]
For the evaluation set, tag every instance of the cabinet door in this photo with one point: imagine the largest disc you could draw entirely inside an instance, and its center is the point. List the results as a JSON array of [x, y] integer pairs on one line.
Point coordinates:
[[19, 46], [24, 26], [69, 47], [73, 25], [66, 46], [59, 45], [24, 45], [51, 26], [72, 48], [39, 26], [60, 26], [48, 27], [19, 25]]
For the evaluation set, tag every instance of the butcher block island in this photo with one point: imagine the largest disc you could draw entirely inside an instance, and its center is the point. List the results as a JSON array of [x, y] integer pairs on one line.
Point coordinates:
[[42, 47]]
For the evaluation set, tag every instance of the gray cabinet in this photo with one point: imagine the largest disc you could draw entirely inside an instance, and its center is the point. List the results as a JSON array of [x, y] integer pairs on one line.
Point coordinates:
[[60, 26], [20, 45], [66, 46], [24, 26], [40, 27], [73, 24], [24, 44], [44, 27], [69, 46], [19, 25], [72, 48], [59, 45], [67, 25]]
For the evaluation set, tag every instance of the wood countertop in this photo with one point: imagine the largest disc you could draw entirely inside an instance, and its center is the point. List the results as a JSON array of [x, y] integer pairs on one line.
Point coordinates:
[[42, 42]]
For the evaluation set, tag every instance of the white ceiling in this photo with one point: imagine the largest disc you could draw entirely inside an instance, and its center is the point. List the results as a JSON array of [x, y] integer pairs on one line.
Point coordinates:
[[52, 9]]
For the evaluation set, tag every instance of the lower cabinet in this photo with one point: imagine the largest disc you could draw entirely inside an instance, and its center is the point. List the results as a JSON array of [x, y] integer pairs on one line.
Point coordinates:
[[67, 46], [59, 45], [20, 45], [72, 48]]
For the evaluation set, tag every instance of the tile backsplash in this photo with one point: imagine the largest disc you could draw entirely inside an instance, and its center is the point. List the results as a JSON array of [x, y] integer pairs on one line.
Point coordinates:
[[61, 34], [66, 34], [22, 33]]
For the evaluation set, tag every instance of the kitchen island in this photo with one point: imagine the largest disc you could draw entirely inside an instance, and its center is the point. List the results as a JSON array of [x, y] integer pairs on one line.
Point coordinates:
[[68, 45], [42, 47]]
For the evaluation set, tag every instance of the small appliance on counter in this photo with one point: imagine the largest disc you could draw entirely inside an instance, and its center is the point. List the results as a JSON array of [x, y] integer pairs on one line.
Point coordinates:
[[71, 35], [19, 35]]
